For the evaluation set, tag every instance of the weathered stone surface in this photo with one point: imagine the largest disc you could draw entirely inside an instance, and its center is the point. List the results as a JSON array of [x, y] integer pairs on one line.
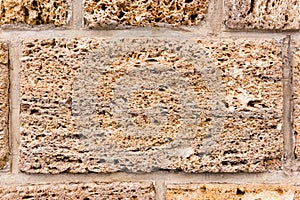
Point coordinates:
[[230, 191], [95, 190], [105, 13], [149, 104], [262, 14], [4, 84], [247, 135], [34, 12]]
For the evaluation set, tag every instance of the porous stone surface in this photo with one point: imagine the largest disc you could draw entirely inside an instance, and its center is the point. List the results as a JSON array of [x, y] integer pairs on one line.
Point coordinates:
[[4, 84], [231, 191], [247, 135], [142, 105], [49, 141], [262, 14], [105, 13], [34, 12], [95, 190]]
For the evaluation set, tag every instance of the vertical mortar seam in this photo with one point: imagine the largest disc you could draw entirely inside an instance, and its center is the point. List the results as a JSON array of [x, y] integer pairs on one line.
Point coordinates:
[[215, 17], [160, 189], [288, 140], [14, 56], [9, 111], [77, 14]]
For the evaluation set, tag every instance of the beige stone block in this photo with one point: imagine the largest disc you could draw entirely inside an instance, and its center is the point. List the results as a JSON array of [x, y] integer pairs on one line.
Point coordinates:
[[231, 191], [34, 12], [262, 14], [107, 13], [4, 85], [142, 105], [94, 190]]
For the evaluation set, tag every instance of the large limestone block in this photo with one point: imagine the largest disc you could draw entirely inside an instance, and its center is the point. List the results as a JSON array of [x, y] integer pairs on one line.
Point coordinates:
[[34, 12], [94, 190], [106, 13], [142, 105], [4, 85], [231, 191], [262, 14]]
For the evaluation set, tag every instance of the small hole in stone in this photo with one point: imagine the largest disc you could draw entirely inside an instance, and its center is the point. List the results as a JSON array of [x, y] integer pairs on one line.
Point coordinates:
[[103, 7], [121, 14], [240, 192], [33, 111], [34, 4], [286, 17], [27, 197], [253, 102], [194, 16]]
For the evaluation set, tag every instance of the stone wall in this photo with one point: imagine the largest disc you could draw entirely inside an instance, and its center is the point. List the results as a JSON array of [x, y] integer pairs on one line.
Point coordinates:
[[156, 99]]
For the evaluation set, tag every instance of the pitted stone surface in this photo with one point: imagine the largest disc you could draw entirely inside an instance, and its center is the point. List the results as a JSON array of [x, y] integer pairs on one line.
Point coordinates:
[[262, 14], [250, 138], [95, 190], [4, 84], [49, 141], [105, 13], [34, 12], [149, 104], [230, 191]]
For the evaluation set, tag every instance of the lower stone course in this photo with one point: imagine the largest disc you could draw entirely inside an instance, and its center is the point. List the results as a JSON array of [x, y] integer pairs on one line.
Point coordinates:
[[116, 190], [232, 192]]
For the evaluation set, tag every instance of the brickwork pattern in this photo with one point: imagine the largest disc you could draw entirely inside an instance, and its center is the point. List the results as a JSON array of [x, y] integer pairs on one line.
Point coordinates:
[[170, 99]]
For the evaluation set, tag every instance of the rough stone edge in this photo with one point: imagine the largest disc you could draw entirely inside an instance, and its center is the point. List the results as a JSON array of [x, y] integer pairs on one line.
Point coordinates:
[[15, 188], [212, 6], [4, 167]]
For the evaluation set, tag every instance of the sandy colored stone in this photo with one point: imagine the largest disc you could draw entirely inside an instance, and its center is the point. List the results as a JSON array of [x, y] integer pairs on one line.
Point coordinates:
[[107, 13], [247, 135], [231, 191], [49, 141], [4, 85], [34, 12], [262, 14], [141, 105], [95, 190]]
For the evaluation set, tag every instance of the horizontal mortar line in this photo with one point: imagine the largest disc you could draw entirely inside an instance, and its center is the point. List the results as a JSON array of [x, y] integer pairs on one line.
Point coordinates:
[[128, 33], [261, 31], [258, 35], [167, 177]]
